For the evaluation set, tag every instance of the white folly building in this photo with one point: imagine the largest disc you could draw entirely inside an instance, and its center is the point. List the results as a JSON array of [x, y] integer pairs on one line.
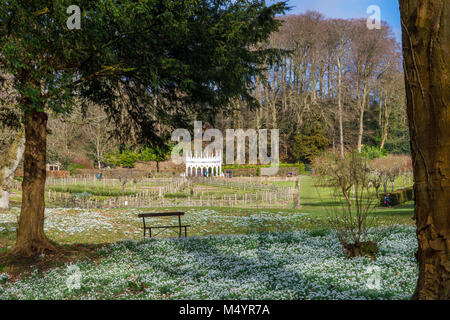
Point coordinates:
[[203, 164]]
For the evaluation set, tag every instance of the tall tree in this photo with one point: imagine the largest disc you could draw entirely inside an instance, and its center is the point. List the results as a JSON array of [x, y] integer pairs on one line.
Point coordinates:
[[369, 49], [199, 52], [333, 68], [339, 34], [426, 50]]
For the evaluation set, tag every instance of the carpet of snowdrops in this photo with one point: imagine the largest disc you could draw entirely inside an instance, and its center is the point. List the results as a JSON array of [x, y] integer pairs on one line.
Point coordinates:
[[72, 225], [257, 264]]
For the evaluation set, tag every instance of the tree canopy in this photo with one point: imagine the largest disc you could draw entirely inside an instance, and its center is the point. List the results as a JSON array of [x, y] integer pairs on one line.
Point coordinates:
[[146, 62], [127, 53]]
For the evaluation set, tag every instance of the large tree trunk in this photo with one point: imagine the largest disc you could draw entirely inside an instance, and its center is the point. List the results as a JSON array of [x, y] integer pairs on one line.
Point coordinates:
[[8, 166], [426, 49], [31, 239]]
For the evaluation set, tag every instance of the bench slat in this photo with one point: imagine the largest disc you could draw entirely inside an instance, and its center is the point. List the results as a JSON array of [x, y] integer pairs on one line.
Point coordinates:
[[157, 227], [160, 214], [163, 214]]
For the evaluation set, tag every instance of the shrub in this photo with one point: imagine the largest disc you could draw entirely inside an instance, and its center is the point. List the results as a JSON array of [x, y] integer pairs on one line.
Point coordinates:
[[306, 147], [350, 218], [125, 158], [309, 141]]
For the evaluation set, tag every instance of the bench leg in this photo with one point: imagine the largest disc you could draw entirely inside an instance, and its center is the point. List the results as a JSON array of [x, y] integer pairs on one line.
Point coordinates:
[[185, 232], [143, 222], [150, 232]]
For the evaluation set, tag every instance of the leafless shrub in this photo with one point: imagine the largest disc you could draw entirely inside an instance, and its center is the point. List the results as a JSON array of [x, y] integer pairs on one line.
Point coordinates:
[[349, 179]]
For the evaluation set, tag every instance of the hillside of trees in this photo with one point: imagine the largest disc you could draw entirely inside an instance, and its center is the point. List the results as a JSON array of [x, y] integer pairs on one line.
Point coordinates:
[[337, 85]]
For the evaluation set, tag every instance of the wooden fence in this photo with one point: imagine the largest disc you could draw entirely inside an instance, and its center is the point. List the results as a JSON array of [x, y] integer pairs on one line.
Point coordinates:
[[153, 199]]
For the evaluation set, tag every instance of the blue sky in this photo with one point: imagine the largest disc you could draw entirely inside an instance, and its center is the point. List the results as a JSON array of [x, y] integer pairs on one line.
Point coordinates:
[[347, 9]]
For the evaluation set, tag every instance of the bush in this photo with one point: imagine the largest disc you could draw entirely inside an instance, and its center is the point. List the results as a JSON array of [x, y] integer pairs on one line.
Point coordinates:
[[350, 219], [125, 158], [399, 196], [310, 140], [320, 232], [307, 147]]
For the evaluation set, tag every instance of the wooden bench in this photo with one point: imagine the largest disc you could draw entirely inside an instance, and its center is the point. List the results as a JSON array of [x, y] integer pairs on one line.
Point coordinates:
[[163, 214]]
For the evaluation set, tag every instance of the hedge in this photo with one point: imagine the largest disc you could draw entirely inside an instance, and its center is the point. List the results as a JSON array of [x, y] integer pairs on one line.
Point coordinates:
[[301, 166], [399, 196]]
